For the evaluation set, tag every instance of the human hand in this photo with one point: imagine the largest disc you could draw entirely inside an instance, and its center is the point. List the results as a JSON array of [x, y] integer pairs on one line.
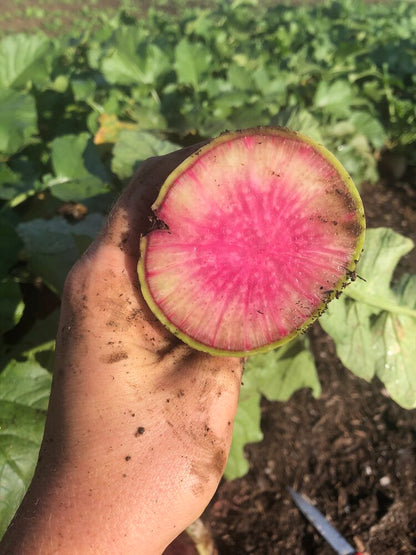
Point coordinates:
[[139, 424]]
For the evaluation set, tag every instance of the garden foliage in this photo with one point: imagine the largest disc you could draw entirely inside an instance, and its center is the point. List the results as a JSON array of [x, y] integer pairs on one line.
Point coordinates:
[[78, 114]]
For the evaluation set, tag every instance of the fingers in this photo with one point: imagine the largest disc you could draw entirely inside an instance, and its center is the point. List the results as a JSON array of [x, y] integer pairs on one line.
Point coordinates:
[[130, 217]]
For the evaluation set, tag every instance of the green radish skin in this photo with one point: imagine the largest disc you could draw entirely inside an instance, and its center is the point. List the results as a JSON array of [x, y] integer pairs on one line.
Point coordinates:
[[260, 229]]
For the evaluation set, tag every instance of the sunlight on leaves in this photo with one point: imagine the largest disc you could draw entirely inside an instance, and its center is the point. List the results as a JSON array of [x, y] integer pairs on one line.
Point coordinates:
[[133, 147], [133, 60], [191, 61], [23, 59]]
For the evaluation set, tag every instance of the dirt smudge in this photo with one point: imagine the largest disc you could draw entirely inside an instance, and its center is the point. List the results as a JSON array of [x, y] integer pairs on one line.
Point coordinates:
[[116, 356], [206, 467]]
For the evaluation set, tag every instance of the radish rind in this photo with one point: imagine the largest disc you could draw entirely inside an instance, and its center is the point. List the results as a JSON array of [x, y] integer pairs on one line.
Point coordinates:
[[263, 228]]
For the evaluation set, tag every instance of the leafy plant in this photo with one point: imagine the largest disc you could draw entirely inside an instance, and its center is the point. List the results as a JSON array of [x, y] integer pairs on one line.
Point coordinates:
[[79, 112]]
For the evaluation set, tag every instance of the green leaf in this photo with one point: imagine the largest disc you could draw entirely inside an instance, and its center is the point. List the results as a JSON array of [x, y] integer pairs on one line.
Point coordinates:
[[240, 77], [334, 98], [80, 174], [191, 61], [24, 393], [281, 372], [132, 61], [374, 326], [23, 59], [300, 120], [25, 383], [357, 156], [51, 249], [60, 83], [39, 339], [10, 245], [395, 347], [367, 125], [11, 304], [86, 230], [382, 252], [227, 102], [133, 147], [349, 325], [17, 181], [246, 430], [10, 184], [83, 89], [53, 246], [275, 375], [18, 121], [148, 117]]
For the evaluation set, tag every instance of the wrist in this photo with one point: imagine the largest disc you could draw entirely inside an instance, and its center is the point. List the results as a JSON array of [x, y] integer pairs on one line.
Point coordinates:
[[70, 512]]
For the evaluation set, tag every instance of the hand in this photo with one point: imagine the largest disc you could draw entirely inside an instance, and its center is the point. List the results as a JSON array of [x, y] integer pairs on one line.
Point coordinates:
[[139, 425]]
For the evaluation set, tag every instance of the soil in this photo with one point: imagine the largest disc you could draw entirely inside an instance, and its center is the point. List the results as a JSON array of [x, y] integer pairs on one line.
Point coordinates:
[[352, 452]]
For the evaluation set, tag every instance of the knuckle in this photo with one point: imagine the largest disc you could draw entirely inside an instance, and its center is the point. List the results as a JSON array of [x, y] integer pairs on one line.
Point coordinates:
[[76, 280]]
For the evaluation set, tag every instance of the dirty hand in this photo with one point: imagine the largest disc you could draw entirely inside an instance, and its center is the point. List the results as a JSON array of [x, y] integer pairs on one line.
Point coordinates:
[[139, 424]]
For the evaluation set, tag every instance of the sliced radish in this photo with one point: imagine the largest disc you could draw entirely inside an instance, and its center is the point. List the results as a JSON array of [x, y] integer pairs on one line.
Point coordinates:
[[261, 229]]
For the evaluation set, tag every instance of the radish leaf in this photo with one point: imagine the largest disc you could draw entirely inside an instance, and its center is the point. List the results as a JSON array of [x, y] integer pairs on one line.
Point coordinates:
[[18, 121], [395, 347], [191, 61], [23, 59], [276, 375], [133, 60], [79, 171], [11, 304], [374, 325], [133, 147], [246, 430], [24, 393], [53, 246]]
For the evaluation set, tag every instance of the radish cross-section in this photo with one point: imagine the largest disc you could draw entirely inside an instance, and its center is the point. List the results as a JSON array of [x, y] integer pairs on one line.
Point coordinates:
[[262, 228]]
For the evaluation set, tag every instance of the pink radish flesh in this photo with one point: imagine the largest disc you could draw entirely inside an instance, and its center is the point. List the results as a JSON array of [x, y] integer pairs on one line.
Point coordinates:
[[262, 227]]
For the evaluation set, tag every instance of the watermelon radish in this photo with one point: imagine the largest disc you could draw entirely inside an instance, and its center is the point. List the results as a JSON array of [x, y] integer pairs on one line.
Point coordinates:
[[258, 231]]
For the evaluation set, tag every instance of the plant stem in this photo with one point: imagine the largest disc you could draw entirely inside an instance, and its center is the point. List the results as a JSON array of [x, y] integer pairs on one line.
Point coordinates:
[[380, 302]]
